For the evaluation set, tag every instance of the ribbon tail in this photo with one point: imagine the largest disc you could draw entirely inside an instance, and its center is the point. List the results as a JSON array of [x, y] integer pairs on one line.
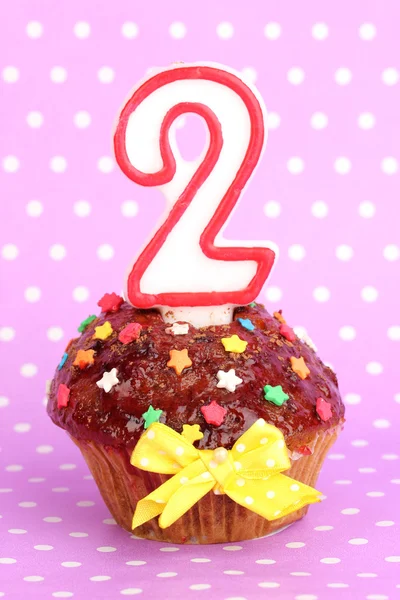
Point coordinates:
[[272, 498]]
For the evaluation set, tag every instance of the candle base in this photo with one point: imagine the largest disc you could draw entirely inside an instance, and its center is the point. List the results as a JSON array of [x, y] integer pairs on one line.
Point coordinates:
[[198, 316]]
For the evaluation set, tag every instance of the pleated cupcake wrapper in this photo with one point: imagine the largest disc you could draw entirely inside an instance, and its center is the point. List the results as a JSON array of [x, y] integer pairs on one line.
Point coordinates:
[[214, 519]]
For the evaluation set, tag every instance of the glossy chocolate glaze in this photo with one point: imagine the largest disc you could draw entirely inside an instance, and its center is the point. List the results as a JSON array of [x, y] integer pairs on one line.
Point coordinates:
[[115, 418]]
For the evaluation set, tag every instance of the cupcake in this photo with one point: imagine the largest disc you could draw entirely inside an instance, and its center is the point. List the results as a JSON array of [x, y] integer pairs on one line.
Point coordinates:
[[132, 384]]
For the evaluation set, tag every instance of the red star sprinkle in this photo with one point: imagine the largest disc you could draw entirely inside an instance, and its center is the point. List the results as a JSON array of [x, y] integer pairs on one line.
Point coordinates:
[[63, 395], [130, 332], [324, 409], [110, 302], [213, 413], [304, 450], [287, 332]]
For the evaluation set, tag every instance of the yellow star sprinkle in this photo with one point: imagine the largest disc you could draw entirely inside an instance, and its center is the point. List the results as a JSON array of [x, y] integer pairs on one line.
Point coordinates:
[[300, 367], [179, 360], [192, 433], [103, 332], [234, 344]]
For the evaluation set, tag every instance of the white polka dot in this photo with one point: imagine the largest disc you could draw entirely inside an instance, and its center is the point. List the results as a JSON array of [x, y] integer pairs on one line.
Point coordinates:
[[240, 482], [231, 572], [129, 208], [249, 74], [55, 334], [367, 470], [273, 293], [240, 447], [71, 564], [34, 208], [130, 30], [270, 462], [390, 456], [269, 584], [366, 575], [350, 511], [52, 519], [374, 368], [295, 165], [144, 462], [34, 119], [17, 531], [105, 164], [7, 561], [294, 487], [366, 120], [369, 293], [343, 76], [319, 120], [57, 252], [106, 75], [249, 500], [105, 521], [295, 75], [43, 547], [344, 252], [296, 252], [67, 467], [390, 76], [232, 548], [272, 209], [375, 494], [22, 427], [321, 294], [323, 528], [33, 578], [389, 165], [80, 293], [319, 209], [320, 31], [14, 468], [82, 119], [85, 503], [58, 74], [377, 597], [62, 594], [347, 333], [265, 561], [105, 252], [200, 560], [270, 494], [342, 165], [352, 399], [392, 559], [106, 549], [225, 30], [393, 333], [5, 490], [295, 545], [330, 561], [131, 591], [169, 549], [4, 402], [359, 443], [300, 574], [384, 523], [136, 563], [381, 423], [28, 370], [82, 208], [7, 334], [179, 451], [367, 210], [34, 29], [358, 541], [273, 120], [272, 30], [391, 252], [367, 31], [100, 578], [58, 164], [199, 586], [44, 449], [82, 30], [11, 164], [167, 574], [10, 74], [177, 30]]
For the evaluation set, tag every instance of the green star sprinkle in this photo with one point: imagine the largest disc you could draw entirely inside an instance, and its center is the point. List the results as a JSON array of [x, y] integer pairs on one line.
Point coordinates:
[[275, 394], [152, 415], [252, 304], [86, 322]]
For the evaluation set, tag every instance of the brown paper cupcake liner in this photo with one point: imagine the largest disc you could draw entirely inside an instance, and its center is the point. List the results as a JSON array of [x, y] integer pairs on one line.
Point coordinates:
[[214, 519]]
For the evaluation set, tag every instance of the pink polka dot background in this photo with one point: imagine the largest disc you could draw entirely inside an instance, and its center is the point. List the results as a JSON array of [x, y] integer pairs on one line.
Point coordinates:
[[327, 192]]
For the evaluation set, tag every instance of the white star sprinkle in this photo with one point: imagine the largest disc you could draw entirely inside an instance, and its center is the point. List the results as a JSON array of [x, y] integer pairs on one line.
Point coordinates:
[[305, 338], [228, 380], [108, 380], [178, 329]]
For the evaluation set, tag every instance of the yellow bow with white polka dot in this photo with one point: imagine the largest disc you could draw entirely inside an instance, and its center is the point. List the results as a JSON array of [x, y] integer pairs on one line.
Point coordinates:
[[250, 474]]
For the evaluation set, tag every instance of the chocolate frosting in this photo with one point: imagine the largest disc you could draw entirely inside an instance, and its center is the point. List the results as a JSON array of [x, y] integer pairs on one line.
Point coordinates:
[[115, 418]]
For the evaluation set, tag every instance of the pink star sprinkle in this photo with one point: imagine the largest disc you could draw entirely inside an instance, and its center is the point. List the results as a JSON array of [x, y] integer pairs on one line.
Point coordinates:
[[213, 413], [287, 332], [63, 395], [130, 332], [324, 409]]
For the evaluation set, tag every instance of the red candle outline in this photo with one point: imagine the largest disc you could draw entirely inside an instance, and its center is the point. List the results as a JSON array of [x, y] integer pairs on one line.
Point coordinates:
[[264, 257]]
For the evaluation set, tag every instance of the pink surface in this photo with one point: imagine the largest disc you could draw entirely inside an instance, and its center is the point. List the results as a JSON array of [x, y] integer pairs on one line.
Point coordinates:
[[45, 492]]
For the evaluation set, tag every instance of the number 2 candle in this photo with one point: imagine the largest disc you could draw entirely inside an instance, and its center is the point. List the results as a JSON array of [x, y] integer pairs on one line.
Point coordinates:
[[187, 269]]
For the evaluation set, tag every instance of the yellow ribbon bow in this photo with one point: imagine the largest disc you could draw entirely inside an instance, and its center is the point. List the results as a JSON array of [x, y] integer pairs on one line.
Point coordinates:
[[250, 474]]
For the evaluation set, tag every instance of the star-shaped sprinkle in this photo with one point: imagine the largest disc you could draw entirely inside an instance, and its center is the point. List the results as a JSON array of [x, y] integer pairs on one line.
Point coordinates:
[[179, 360], [300, 367], [130, 333], [152, 415], [108, 380], [252, 304], [324, 409], [63, 395], [84, 358], [247, 324], [178, 329], [213, 413], [305, 338], [234, 344], [228, 380], [110, 302], [103, 331], [86, 322], [278, 317], [287, 332], [62, 361], [192, 433], [275, 394]]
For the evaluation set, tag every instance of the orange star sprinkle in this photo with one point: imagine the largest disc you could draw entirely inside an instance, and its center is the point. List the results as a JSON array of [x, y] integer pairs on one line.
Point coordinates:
[[179, 360], [192, 433], [103, 332], [234, 344], [84, 358], [278, 316], [300, 367]]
